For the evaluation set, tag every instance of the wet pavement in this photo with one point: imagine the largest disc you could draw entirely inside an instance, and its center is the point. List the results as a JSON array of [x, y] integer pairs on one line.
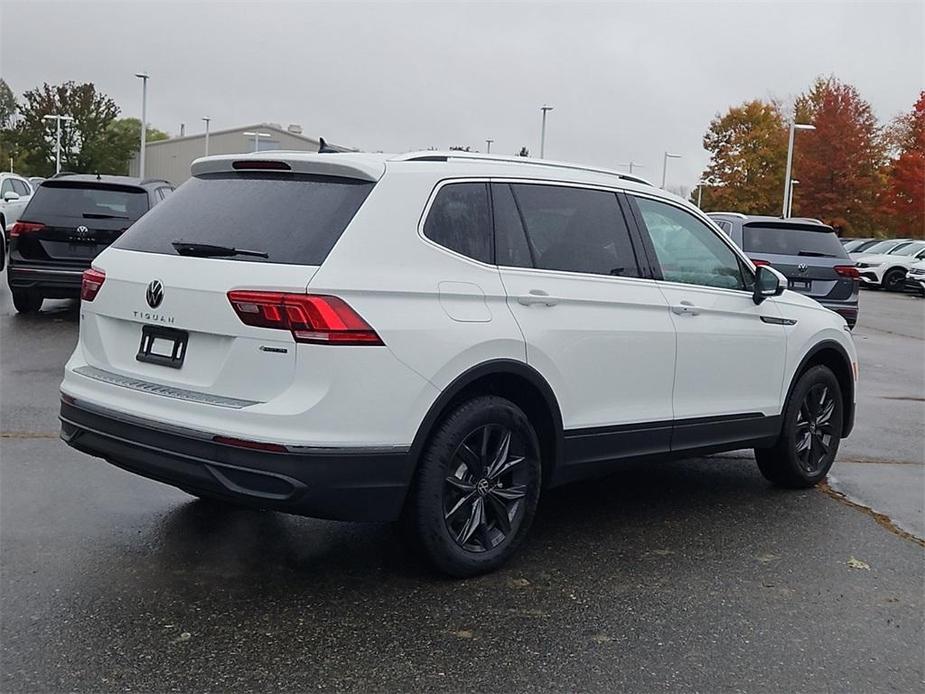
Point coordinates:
[[695, 575]]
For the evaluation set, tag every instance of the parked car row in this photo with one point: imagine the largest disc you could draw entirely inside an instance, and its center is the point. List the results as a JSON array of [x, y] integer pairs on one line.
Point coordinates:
[[68, 221]]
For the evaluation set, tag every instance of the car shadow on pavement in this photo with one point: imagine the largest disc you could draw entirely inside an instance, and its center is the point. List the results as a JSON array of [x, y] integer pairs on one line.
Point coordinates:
[[643, 508]]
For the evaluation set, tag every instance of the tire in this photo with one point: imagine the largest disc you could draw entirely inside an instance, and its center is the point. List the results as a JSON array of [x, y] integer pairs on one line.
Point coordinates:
[[813, 416], [476, 488], [26, 301], [893, 280]]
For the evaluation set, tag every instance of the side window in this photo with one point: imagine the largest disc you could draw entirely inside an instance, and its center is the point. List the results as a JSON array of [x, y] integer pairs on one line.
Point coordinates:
[[725, 226], [21, 187], [6, 186], [575, 229], [511, 248], [460, 219], [688, 250]]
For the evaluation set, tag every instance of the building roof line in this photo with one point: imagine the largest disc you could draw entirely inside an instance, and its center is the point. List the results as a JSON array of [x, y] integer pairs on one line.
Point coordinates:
[[212, 133]]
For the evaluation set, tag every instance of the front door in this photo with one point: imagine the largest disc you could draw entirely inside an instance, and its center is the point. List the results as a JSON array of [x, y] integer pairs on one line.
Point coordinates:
[[731, 352]]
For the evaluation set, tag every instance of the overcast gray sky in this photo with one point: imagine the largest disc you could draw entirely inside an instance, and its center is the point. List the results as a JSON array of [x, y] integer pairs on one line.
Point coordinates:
[[627, 80]]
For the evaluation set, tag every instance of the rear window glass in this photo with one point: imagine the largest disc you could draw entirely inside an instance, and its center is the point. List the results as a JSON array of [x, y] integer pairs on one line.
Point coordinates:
[[460, 220], [294, 219], [791, 241], [83, 201]]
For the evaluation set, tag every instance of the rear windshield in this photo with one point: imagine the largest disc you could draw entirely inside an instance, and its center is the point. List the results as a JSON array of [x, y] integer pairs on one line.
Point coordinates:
[[83, 200], [294, 219], [792, 241]]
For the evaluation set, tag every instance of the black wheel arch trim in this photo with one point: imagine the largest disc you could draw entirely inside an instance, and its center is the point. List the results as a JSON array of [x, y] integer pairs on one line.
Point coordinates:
[[509, 367], [848, 398]]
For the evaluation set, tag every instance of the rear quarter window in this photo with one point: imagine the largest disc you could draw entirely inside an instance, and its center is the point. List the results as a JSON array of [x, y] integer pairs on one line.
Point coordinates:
[[460, 219], [294, 219]]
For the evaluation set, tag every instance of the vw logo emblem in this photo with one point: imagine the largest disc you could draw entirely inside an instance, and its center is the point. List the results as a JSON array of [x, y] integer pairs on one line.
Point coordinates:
[[802, 267], [155, 293], [82, 231]]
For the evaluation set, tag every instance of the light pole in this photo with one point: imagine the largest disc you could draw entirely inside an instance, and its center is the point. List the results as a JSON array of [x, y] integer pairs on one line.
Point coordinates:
[[631, 164], [699, 194], [793, 182], [488, 143], [785, 210], [256, 136], [668, 156], [207, 134], [58, 118], [544, 108], [143, 76]]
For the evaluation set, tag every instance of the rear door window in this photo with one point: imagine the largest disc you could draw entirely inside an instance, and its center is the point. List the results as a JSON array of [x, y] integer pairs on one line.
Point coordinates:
[[782, 240], [511, 247], [460, 219], [6, 186], [575, 229], [84, 201], [294, 219]]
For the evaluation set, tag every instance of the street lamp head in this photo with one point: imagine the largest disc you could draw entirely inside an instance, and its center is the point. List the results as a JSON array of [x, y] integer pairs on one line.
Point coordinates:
[[672, 156], [803, 126], [142, 75]]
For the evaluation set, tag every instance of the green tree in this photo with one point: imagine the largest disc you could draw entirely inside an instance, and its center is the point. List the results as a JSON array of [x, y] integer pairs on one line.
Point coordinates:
[[85, 141], [124, 136], [8, 105], [748, 154]]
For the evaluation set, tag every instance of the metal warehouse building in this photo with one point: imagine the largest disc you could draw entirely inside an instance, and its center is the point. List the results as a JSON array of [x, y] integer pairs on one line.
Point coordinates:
[[170, 159]]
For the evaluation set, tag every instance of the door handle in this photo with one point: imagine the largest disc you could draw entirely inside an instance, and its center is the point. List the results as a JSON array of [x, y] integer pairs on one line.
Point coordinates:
[[537, 296], [685, 308]]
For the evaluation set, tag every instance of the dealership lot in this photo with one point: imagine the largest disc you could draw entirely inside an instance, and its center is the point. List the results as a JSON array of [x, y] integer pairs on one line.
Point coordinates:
[[646, 581]]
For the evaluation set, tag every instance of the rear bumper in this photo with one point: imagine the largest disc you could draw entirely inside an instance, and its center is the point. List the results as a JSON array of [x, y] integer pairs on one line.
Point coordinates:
[[357, 484], [53, 282]]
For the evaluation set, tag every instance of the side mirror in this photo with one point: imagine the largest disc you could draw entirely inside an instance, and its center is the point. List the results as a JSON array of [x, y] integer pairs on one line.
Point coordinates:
[[10, 196], [768, 282]]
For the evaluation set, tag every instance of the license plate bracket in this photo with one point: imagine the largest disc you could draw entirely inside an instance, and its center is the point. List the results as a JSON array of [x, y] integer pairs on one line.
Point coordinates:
[[162, 346], [800, 285]]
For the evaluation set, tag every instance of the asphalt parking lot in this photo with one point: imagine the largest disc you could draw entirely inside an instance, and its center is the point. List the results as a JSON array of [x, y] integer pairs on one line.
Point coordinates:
[[694, 575]]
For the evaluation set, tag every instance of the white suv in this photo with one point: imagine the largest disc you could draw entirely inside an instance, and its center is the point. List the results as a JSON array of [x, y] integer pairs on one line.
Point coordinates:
[[437, 338]]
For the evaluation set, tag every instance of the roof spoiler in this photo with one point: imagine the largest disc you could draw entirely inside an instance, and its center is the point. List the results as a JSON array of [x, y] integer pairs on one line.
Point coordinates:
[[343, 165]]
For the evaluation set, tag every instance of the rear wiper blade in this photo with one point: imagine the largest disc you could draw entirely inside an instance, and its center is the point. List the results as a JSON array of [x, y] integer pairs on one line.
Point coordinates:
[[208, 250], [103, 215], [813, 254]]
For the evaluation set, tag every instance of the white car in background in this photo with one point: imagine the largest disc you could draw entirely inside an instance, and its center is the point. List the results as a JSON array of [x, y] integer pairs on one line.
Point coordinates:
[[888, 270], [15, 194], [915, 278], [880, 248]]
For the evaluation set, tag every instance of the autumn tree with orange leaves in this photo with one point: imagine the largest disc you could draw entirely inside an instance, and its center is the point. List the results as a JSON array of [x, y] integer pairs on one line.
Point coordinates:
[[839, 165], [903, 202]]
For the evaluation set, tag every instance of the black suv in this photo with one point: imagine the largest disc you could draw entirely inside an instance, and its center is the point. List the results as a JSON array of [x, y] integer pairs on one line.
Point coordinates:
[[806, 251], [70, 219]]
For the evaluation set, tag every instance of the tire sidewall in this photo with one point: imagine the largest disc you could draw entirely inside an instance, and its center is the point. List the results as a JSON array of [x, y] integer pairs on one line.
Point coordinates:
[[428, 499], [815, 375]]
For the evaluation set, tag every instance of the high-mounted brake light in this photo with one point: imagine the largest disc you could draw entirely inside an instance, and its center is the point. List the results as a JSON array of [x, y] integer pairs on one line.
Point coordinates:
[[21, 228], [759, 263], [311, 318], [90, 284], [848, 271], [260, 164]]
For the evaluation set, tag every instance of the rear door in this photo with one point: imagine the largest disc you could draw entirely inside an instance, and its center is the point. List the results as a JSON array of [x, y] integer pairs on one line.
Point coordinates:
[[731, 352], [598, 331], [79, 219], [807, 255], [293, 219]]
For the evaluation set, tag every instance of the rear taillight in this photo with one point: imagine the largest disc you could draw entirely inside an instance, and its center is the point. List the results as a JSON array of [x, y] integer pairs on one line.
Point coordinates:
[[759, 263], [90, 284], [21, 228], [848, 271], [312, 318]]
